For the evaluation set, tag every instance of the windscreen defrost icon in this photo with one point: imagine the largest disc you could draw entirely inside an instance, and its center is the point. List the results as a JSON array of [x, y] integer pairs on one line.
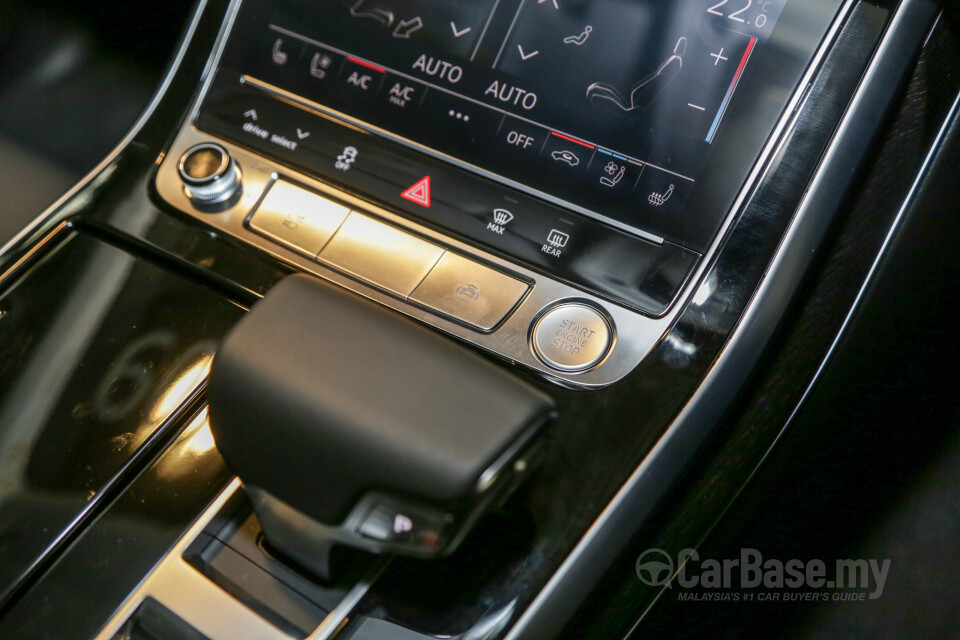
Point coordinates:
[[502, 217]]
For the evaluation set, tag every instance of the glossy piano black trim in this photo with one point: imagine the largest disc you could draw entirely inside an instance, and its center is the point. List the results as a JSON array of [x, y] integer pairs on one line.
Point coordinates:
[[702, 331], [100, 354], [799, 351], [601, 437], [727, 299], [79, 593]]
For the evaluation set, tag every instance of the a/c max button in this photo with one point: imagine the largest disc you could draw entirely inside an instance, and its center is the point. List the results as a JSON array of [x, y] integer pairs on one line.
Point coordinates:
[[571, 337]]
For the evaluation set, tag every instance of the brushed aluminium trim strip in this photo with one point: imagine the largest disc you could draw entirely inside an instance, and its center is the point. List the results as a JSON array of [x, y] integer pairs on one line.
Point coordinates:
[[209, 609], [636, 335], [190, 595], [653, 477]]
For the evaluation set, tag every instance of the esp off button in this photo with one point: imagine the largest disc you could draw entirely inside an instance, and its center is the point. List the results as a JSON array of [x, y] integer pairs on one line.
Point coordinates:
[[571, 337]]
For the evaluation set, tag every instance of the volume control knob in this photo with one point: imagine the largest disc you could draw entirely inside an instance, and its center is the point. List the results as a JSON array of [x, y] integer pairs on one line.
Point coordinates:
[[210, 176]]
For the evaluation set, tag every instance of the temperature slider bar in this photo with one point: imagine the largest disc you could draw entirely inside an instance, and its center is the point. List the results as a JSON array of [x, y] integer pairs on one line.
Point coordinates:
[[731, 89]]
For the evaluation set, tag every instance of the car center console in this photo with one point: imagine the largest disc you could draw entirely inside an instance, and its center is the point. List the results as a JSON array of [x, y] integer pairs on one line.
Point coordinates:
[[544, 180], [556, 236]]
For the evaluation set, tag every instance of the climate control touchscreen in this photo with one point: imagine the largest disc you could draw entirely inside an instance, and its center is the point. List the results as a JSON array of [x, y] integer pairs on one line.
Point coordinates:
[[602, 142], [610, 106]]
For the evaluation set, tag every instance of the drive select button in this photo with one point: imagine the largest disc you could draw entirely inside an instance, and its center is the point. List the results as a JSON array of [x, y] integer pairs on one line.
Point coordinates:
[[572, 337]]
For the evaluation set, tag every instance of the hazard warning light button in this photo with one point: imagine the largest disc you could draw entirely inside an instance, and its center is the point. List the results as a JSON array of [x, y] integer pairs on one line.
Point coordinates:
[[419, 192]]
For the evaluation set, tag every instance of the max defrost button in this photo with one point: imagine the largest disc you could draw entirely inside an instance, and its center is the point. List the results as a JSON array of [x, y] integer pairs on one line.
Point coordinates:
[[571, 337], [297, 218], [469, 292]]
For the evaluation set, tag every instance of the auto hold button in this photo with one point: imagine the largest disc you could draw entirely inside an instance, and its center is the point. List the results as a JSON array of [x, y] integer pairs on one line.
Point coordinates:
[[571, 337]]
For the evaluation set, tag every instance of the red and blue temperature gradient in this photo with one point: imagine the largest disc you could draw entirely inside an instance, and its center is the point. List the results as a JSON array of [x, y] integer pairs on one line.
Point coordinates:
[[731, 89]]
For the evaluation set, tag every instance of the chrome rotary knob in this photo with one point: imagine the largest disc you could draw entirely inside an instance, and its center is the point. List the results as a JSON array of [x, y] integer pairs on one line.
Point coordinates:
[[210, 176]]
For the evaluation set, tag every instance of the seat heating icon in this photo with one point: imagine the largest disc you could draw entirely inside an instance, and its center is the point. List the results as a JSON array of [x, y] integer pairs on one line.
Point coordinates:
[[659, 199]]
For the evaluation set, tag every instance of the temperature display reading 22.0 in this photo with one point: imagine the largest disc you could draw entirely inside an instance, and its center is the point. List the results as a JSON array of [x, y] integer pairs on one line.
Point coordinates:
[[743, 14]]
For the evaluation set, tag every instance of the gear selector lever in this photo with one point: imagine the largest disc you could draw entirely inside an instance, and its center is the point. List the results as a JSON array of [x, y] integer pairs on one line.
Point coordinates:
[[351, 424]]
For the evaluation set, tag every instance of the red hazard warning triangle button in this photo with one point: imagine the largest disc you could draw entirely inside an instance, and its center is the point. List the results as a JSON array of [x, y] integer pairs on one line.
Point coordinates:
[[419, 193]]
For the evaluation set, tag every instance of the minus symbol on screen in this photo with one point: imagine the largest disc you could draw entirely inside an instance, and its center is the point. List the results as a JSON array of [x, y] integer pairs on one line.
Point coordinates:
[[697, 107]]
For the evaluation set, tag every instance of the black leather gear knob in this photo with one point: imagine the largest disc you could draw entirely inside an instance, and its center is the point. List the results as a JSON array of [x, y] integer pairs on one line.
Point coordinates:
[[377, 431]]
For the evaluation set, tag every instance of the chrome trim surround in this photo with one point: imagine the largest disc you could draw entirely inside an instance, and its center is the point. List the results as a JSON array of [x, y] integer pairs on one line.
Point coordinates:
[[636, 334], [216, 188], [224, 163], [593, 336], [651, 480]]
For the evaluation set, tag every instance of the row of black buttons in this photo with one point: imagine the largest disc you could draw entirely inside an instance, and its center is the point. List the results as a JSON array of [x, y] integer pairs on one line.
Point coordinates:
[[621, 266]]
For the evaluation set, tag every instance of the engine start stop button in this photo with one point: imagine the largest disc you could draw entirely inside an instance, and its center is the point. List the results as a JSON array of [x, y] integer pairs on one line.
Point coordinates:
[[571, 337]]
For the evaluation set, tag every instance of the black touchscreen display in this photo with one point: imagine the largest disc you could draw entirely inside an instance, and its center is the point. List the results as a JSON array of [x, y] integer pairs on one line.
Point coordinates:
[[608, 105], [555, 131]]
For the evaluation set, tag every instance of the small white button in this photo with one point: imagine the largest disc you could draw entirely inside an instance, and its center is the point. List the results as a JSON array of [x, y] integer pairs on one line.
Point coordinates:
[[572, 337]]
